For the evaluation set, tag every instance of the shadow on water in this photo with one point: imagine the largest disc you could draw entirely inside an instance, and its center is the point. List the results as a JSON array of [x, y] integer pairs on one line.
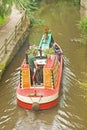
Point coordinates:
[[70, 113]]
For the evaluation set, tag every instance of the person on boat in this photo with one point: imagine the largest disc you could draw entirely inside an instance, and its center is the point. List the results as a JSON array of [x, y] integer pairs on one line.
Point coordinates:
[[57, 50], [33, 67]]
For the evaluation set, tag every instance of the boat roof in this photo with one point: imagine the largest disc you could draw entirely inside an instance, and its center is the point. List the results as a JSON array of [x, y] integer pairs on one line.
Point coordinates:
[[45, 42]]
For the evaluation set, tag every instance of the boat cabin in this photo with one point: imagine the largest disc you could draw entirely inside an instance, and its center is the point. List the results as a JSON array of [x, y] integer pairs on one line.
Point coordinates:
[[48, 72]]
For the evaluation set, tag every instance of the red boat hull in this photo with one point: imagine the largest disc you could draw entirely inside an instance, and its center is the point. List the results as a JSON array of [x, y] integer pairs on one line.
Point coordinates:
[[45, 96], [43, 106]]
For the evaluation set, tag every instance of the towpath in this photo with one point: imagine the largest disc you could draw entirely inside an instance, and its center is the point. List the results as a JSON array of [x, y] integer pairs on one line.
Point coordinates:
[[7, 29], [5, 32]]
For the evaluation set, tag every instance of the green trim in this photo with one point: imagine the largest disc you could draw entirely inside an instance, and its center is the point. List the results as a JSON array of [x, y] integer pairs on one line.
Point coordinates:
[[45, 42]]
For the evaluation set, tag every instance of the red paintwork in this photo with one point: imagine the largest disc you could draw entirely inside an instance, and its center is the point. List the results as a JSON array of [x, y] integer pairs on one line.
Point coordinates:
[[41, 107], [41, 91]]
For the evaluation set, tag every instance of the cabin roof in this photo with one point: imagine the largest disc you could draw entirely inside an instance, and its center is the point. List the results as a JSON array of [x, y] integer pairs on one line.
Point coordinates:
[[45, 42]]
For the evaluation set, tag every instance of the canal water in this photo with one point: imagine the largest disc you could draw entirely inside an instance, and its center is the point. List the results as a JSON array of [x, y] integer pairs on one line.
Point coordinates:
[[71, 111]]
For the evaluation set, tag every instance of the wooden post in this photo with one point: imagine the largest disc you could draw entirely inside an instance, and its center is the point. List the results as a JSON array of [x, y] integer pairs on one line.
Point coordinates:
[[21, 22], [25, 14], [6, 46], [15, 31]]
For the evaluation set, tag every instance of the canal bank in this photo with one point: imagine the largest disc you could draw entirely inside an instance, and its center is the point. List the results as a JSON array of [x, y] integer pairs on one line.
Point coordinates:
[[12, 37]]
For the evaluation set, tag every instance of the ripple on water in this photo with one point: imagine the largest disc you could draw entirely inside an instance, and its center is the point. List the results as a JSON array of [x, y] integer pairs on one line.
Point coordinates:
[[31, 122], [66, 117]]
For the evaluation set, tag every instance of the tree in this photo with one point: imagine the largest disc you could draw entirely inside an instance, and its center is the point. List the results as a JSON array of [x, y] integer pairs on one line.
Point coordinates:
[[30, 6], [5, 7]]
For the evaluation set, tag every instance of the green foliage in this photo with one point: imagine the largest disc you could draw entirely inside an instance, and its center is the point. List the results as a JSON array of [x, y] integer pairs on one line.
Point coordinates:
[[83, 39], [84, 87], [30, 6], [49, 51], [77, 2], [2, 67], [5, 7], [69, 2], [82, 25], [31, 49], [3, 20]]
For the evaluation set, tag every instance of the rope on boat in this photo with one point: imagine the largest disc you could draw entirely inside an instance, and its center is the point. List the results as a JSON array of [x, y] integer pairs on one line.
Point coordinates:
[[35, 94], [35, 105]]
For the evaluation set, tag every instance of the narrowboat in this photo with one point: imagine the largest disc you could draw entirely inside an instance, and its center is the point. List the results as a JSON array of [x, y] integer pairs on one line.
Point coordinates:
[[45, 94]]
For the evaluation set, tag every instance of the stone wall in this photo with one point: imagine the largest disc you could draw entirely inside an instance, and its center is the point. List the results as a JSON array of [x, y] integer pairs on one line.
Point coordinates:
[[83, 9], [84, 4]]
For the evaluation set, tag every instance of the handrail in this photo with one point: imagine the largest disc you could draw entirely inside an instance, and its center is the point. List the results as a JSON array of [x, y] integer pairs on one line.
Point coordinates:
[[8, 41]]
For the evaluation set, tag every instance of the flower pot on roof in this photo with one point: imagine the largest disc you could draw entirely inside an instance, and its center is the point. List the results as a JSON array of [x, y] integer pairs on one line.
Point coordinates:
[[47, 31], [46, 35], [32, 49], [49, 52]]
